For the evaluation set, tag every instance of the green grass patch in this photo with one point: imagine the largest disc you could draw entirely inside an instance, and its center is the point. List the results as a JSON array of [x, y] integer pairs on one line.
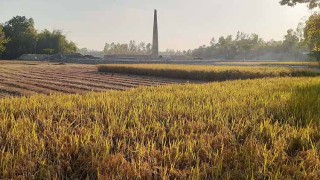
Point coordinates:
[[251, 129], [206, 73]]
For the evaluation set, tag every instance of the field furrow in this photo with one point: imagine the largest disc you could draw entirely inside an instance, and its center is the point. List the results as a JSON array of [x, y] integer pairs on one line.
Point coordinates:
[[54, 85], [119, 79], [4, 94], [21, 84], [15, 91], [106, 82], [25, 79], [90, 74], [69, 82], [130, 78], [111, 83]]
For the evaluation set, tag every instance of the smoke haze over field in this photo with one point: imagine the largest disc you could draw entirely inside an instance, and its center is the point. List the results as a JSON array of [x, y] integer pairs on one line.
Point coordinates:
[[182, 24]]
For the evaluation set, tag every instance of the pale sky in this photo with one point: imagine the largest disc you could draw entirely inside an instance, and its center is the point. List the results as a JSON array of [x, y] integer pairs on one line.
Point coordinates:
[[183, 24]]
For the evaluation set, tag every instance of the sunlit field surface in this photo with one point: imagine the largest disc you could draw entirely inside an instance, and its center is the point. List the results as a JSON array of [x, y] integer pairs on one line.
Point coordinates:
[[206, 73], [274, 63], [262, 129], [19, 78]]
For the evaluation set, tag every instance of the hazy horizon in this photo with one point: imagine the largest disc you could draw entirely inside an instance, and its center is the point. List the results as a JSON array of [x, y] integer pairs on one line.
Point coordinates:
[[182, 25]]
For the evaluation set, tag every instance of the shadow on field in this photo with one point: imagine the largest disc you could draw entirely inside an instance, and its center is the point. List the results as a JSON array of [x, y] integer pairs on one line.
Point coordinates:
[[299, 116], [303, 107]]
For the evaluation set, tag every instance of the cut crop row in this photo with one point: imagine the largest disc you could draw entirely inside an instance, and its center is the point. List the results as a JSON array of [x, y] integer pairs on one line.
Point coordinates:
[[15, 91], [61, 87], [69, 82], [106, 82], [109, 78]]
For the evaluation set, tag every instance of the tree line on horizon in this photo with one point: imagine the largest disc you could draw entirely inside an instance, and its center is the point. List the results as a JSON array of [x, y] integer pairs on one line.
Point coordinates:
[[131, 48], [18, 36], [251, 46], [296, 45], [304, 40], [312, 27], [242, 46]]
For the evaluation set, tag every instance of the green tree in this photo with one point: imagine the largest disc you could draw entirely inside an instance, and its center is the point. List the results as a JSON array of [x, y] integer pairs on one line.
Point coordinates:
[[149, 48], [127, 49], [48, 40], [226, 48], [68, 47], [312, 35], [2, 40], [22, 37], [311, 3], [86, 51], [48, 51], [56, 41], [246, 46], [291, 41]]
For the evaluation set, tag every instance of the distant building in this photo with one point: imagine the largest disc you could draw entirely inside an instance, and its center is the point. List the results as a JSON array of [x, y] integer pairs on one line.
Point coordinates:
[[127, 57], [33, 57], [155, 42], [155, 46]]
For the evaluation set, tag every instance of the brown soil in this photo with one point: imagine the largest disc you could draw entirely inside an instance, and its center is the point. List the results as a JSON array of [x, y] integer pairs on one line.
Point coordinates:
[[19, 78]]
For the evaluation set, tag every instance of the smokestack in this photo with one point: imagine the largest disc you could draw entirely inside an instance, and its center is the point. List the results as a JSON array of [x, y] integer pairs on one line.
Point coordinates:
[[155, 43]]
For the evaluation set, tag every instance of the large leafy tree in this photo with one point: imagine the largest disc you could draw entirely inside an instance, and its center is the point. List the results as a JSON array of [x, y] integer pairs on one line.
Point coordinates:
[[2, 40], [312, 35], [67, 47], [22, 37], [48, 40], [56, 41], [311, 3], [312, 29], [291, 41]]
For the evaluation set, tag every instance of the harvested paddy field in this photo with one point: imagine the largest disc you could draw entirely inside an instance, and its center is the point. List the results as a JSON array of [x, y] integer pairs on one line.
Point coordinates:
[[246, 129], [293, 64], [28, 78], [207, 73], [262, 128]]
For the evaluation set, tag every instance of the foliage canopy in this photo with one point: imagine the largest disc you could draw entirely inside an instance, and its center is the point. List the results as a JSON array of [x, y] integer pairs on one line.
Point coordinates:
[[127, 49], [56, 41], [246, 46], [311, 3], [22, 38], [2, 40], [312, 35]]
